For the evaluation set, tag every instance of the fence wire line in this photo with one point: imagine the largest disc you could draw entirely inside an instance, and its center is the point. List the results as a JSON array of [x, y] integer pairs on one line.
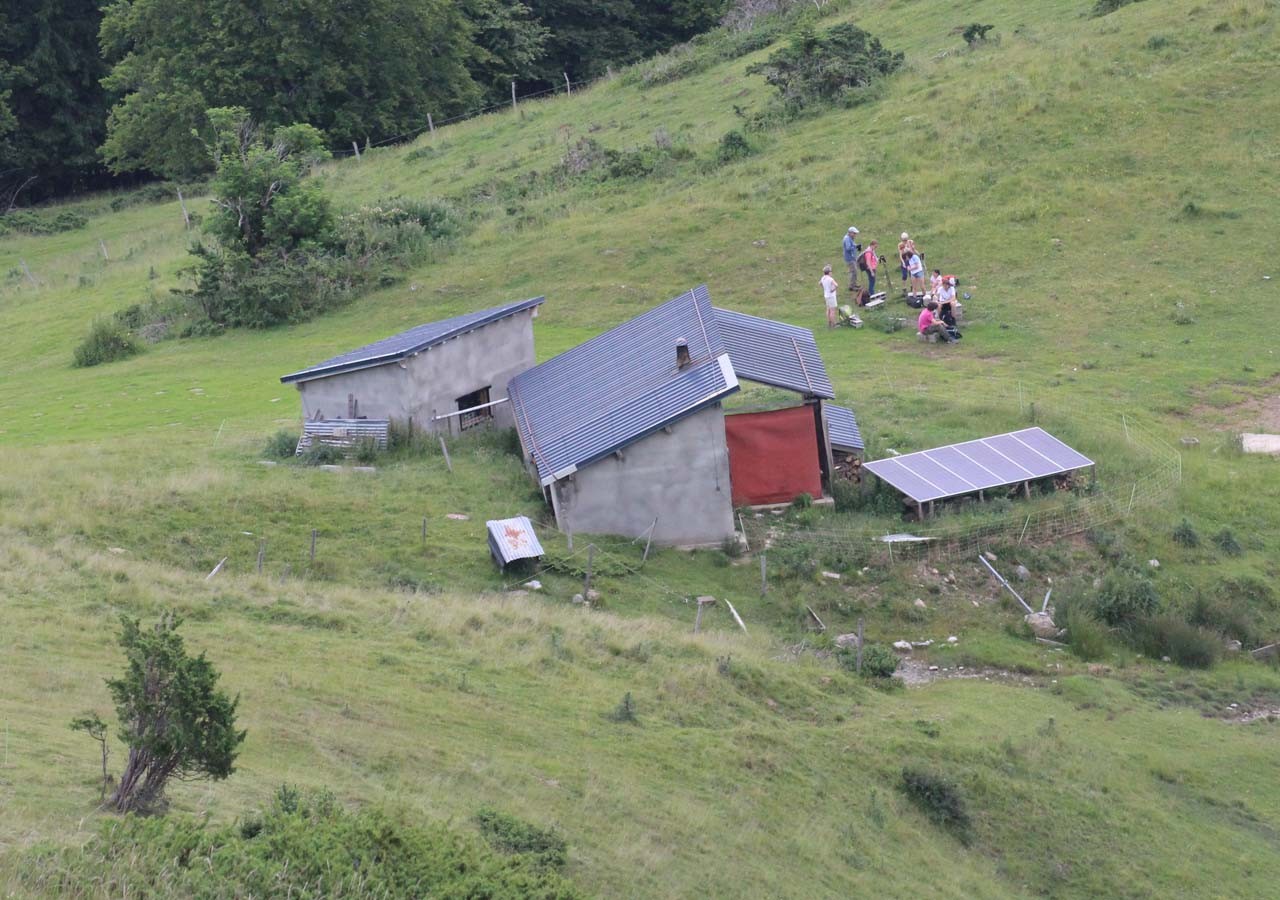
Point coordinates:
[[471, 114], [1073, 515]]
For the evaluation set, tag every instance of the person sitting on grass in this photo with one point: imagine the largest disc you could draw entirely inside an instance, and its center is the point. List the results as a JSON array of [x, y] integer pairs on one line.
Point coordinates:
[[946, 294], [830, 295], [935, 284], [915, 266], [928, 324]]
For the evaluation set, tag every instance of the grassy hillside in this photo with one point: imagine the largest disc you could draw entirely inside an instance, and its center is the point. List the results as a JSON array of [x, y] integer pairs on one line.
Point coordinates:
[[1099, 186]]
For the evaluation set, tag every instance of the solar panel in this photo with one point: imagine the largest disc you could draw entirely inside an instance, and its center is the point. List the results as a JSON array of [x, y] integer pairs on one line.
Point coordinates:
[[972, 466]]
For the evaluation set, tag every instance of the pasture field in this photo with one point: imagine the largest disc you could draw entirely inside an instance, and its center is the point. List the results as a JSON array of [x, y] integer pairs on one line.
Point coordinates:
[[1104, 189]]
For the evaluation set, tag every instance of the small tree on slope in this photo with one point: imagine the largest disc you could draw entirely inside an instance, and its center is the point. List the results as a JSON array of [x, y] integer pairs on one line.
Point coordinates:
[[174, 720]]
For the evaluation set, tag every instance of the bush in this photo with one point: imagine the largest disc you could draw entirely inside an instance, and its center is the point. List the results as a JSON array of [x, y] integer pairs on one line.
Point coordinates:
[[878, 661], [281, 445], [1185, 534], [975, 33], [938, 798], [366, 451], [1227, 543], [106, 342], [1088, 638], [792, 559], [508, 834], [26, 221], [302, 846], [322, 455], [839, 65], [802, 501], [1185, 644], [733, 146], [1225, 615], [1104, 7], [625, 711], [1125, 598]]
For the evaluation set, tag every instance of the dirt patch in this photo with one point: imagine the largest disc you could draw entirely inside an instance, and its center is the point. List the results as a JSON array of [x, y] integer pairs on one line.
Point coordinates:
[[1249, 414], [915, 672]]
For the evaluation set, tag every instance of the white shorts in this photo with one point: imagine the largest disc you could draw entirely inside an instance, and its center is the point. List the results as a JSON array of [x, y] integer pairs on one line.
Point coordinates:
[[832, 300]]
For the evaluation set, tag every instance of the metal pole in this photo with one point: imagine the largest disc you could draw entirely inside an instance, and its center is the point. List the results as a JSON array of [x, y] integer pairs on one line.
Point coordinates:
[[1000, 578], [764, 575], [649, 542], [858, 657], [586, 584], [514, 108], [313, 544]]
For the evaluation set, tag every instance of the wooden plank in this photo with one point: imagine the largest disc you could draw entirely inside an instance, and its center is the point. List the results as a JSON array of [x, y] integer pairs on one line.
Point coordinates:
[[737, 618]]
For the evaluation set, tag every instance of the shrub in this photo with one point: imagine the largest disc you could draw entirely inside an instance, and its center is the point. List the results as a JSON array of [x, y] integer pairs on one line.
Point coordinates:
[[1185, 534], [1185, 644], [625, 711], [1087, 636], [878, 661], [975, 33], [1227, 543], [508, 834], [1226, 615], [1124, 598], [1104, 7], [26, 221], [281, 445], [792, 559], [802, 501], [837, 65], [322, 455], [366, 451], [733, 146], [106, 342], [937, 797], [304, 845]]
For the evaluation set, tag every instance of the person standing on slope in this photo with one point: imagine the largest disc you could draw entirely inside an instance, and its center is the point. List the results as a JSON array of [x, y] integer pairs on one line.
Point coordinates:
[[830, 295], [906, 247], [868, 264], [851, 253]]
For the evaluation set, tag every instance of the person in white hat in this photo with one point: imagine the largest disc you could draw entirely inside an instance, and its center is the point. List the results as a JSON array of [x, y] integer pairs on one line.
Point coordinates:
[[852, 250], [830, 292], [906, 247]]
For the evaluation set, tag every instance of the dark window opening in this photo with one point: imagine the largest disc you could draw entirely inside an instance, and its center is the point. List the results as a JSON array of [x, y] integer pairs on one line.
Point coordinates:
[[475, 417]]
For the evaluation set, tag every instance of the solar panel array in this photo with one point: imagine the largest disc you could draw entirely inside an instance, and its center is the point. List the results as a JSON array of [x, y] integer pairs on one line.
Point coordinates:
[[992, 462]]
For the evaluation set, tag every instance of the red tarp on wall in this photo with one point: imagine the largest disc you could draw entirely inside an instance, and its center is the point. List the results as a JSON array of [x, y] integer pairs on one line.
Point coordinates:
[[773, 456]]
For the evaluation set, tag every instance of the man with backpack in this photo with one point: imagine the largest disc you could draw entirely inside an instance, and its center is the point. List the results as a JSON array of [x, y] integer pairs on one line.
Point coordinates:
[[852, 252]]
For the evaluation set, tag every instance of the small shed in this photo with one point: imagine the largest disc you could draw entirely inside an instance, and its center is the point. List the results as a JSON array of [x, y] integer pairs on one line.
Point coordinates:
[[449, 375], [512, 540]]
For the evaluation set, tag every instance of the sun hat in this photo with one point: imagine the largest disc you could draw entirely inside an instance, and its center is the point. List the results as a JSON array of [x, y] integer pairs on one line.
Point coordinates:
[[905, 236], [853, 229]]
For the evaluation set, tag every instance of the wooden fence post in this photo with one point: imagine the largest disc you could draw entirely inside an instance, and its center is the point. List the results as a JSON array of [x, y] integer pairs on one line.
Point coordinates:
[[313, 545], [356, 148], [649, 542], [103, 247], [514, 108], [764, 576], [431, 124], [568, 88], [858, 658], [586, 584], [424, 532], [262, 552], [30, 277]]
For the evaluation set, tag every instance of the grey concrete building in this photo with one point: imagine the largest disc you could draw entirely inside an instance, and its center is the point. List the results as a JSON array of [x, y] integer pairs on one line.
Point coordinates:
[[426, 373], [630, 427]]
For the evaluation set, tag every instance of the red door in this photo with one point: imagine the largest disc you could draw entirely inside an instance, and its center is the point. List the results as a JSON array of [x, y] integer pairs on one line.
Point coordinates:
[[773, 456]]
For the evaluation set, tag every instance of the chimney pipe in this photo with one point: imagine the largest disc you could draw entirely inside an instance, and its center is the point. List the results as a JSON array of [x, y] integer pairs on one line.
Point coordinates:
[[682, 354]]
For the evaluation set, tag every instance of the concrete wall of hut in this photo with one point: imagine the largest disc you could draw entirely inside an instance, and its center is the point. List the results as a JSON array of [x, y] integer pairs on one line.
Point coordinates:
[[682, 478], [430, 383]]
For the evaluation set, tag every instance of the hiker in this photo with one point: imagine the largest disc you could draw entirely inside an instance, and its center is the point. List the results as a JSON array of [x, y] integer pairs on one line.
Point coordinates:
[[947, 315], [905, 245], [946, 293], [867, 263], [915, 267], [830, 293], [852, 251], [928, 324], [935, 284]]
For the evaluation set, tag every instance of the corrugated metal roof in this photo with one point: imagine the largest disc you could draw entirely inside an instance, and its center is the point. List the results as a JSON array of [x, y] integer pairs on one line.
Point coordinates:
[[407, 343], [774, 353], [843, 428], [513, 539], [622, 385], [959, 469]]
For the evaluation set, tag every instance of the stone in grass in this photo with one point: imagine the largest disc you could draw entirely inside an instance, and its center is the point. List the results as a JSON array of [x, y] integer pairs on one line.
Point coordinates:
[[847, 640], [953, 639], [593, 596], [834, 576], [578, 598], [457, 517], [902, 645], [534, 585], [1022, 573], [991, 557], [1042, 625], [1153, 563], [920, 604]]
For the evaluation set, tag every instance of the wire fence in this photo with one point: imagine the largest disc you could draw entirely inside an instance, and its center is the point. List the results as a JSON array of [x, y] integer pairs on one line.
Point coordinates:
[[1149, 473]]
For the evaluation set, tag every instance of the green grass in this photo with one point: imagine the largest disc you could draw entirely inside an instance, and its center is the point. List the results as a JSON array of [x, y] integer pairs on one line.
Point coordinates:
[[1087, 184]]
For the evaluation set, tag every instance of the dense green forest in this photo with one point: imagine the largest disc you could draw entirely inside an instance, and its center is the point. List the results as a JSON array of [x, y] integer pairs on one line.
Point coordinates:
[[101, 92]]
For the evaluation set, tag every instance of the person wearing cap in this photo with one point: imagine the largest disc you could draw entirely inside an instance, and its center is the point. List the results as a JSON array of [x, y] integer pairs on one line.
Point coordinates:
[[830, 292], [852, 249]]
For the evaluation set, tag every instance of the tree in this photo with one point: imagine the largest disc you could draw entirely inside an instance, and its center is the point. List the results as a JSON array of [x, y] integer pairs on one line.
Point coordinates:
[[822, 68], [174, 720], [262, 199], [50, 82], [357, 71], [507, 44]]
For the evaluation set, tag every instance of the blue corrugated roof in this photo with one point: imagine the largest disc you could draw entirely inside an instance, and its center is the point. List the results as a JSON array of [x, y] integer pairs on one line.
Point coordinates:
[[622, 385], [843, 428], [774, 353], [407, 343]]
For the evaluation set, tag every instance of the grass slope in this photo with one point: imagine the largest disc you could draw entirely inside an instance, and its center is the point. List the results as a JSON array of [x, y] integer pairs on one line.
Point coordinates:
[[1090, 180]]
